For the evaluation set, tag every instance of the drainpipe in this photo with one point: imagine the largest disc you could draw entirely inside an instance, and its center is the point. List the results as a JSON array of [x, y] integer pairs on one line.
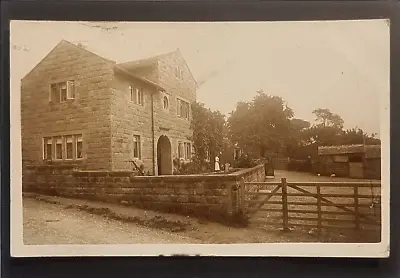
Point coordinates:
[[153, 133]]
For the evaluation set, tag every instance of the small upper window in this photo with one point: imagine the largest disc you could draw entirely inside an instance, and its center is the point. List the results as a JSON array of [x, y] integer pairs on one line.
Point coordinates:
[[178, 72], [136, 95], [182, 108], [165, 102], [60, 92]]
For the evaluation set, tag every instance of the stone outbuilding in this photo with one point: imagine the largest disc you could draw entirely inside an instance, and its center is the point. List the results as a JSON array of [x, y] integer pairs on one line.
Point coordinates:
[[354, 161]]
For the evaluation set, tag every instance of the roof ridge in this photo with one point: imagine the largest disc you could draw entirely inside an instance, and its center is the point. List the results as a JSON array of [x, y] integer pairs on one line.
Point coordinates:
[[149, 58]]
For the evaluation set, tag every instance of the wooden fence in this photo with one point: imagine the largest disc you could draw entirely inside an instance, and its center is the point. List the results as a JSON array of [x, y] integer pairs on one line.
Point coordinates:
[[319, 205]]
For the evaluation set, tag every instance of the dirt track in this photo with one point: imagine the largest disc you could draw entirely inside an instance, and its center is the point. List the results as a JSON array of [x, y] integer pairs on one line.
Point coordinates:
[[55, 220], [46, 223]]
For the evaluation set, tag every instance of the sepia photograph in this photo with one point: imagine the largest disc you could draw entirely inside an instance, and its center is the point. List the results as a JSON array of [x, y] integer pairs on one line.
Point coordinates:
[[200, 138]]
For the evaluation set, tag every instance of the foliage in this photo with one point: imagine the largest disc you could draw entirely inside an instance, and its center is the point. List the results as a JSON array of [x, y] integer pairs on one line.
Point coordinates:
[[244, 161], [358, 136], [193, 167], [208, 132], [267, 124], [325, 118], [260, 125]]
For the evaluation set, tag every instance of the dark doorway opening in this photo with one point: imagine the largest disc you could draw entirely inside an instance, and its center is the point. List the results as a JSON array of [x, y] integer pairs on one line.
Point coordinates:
[[164, 157]]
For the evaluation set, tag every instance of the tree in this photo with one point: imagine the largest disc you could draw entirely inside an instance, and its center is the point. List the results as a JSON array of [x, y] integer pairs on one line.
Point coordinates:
[[326, 118], [327, 130], [208, 132], [261, 125], [296, 145], [358, 136]]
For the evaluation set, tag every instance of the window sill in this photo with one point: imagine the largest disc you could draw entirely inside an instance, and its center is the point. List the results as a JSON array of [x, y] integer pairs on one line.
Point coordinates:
[[56, 161], [185, 119], [137, 104]]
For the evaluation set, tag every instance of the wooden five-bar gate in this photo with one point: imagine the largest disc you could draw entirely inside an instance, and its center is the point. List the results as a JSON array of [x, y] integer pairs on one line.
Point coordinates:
[[318, 205]]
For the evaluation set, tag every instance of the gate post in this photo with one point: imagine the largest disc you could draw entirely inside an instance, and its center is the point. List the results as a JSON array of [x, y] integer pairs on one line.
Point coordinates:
[[242, 197], [356, 209], [285, 205]]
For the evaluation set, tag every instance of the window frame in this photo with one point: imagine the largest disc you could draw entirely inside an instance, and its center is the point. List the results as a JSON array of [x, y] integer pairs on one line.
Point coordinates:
[[71, 89], [78, 138], [137, 143], [55, 147], [66, 147], [46, 141], [180, 112], [136, 95], [181, 150], [165, 97], [57, 88], [188, 150], [140, 96]]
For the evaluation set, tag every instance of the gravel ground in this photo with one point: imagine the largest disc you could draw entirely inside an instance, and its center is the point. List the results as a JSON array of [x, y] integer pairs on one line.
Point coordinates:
[[47, 223], [56, 220]]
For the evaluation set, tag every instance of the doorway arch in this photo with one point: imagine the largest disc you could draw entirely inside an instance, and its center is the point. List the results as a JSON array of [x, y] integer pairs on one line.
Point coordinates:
[[164, 157]]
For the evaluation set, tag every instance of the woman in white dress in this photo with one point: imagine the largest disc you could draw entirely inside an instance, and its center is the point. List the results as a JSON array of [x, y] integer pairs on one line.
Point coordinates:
[[216, 167]]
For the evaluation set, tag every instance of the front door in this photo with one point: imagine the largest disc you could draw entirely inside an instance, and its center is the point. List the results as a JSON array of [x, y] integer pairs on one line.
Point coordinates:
[[164, 157]]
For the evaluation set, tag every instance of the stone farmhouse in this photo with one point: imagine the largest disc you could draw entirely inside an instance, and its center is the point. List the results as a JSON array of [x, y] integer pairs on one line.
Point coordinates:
[[83, 109]]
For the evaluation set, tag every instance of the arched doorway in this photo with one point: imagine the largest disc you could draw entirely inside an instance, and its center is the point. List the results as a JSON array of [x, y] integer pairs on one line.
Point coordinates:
[[164, 159]]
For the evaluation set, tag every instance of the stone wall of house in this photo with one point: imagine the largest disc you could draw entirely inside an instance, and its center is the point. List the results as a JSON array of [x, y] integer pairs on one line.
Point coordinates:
[[167, 121], [212, 196], [88, 114], [129, 119]]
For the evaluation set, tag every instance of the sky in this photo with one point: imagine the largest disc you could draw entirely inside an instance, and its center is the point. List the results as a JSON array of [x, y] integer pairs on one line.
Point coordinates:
[[339, 65]]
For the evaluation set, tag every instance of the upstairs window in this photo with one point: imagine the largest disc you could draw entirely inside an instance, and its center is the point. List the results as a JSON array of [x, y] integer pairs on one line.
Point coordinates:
[[165, 102], [62, 91], [182, 109], [178, 73], [136, 95]]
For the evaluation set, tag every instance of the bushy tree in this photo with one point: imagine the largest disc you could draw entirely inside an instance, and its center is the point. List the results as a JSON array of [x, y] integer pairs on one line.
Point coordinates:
[[208, 132], [260, 125]]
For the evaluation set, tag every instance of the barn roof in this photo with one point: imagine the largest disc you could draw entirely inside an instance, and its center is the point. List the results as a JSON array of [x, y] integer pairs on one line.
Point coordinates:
[[371, 151]]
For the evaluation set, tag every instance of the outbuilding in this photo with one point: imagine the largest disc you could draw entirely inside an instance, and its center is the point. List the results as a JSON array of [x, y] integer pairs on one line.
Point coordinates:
[[354, 161]]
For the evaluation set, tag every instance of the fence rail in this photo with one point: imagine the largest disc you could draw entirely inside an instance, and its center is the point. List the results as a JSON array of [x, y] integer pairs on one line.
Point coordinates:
[[291, 201]]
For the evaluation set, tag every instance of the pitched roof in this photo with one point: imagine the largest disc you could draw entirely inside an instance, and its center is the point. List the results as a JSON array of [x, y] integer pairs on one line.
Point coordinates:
[[132, 65], [143, 62], [105, 59], [371, 151]]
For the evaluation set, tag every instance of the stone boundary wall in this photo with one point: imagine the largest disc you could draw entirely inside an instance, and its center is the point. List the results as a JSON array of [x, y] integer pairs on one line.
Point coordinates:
[[213, 196]]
